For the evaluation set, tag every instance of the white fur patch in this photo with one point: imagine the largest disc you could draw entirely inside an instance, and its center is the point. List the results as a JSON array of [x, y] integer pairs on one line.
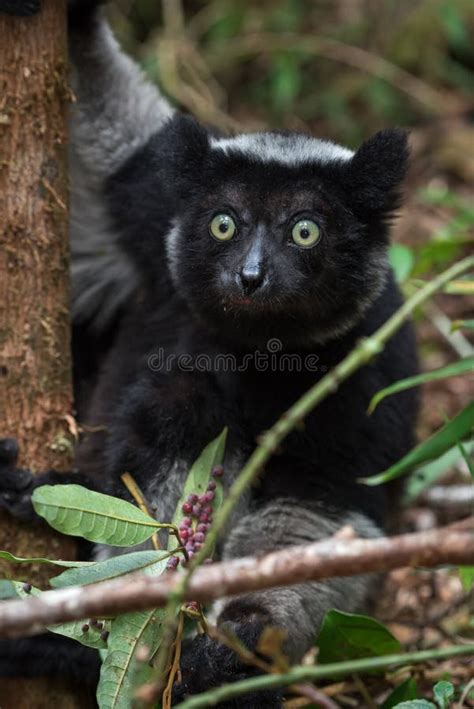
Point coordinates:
[[293, 150], [172, 251]]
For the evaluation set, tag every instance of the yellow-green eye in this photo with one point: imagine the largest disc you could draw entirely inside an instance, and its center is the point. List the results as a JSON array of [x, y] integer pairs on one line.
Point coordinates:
[[222, 227], [305, 233]]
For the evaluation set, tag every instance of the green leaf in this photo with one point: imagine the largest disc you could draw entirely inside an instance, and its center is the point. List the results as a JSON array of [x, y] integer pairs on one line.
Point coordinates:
[[467, 457], [466, 574], [39, 560], [128, 633], [464, 286], [72, 629], [7, 589], [443, 692], [406, 690], [402, 260], [147, 562], [452, 432], [462, 325], [199, 476], [416, 704], [346, 636], [425, 476], [75, 510], [451, 370]]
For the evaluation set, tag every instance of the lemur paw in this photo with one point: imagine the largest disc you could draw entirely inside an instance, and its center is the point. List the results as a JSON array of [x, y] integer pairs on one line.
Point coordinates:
[[16, 484], [206, 664]]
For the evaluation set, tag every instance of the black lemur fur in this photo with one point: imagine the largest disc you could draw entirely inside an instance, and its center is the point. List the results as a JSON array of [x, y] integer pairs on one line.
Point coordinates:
[[186, 242]]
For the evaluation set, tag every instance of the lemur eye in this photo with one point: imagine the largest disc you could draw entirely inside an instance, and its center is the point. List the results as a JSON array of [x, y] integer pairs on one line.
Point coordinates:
[[222, 227], [306, 233]]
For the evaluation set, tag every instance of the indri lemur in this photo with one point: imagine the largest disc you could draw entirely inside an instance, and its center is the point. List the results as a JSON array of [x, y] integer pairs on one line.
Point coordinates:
[[185, 241]]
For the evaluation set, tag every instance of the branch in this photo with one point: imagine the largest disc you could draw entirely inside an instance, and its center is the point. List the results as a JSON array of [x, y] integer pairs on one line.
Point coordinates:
[[323, 559]]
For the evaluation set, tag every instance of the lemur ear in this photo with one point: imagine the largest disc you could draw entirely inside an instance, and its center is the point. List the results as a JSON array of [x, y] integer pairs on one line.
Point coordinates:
[[188, 141], [375, 173]]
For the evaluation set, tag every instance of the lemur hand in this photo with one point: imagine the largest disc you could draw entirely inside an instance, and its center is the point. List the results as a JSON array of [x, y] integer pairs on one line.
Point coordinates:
[[206, 664], [16, 484]]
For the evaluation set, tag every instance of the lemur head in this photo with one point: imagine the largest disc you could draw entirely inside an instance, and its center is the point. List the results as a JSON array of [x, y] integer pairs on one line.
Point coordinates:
[[281, 234]]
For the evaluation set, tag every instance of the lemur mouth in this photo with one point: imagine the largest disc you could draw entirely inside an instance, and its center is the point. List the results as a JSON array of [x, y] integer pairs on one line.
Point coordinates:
[[247, 304]]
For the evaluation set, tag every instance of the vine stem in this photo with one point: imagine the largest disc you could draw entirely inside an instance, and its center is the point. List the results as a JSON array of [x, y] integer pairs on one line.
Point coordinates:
[[307, 673], [269, 442], [363, 353]]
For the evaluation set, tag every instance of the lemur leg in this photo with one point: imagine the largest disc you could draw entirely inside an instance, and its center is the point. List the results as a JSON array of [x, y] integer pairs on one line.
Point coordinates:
[[297, 609]]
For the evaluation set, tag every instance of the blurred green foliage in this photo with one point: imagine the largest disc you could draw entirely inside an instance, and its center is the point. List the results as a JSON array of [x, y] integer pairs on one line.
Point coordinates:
[[393, 62]]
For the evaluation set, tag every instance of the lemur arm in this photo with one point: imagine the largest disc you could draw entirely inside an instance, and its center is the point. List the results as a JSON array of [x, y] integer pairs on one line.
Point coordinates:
[[116, 110]]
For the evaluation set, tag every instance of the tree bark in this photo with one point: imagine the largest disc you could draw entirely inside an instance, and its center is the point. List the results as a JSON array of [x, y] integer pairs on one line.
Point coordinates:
[[35, 362]]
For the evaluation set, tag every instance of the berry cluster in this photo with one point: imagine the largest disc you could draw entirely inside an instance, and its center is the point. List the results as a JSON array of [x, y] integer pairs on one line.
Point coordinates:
[[98, 625], [194, 526]]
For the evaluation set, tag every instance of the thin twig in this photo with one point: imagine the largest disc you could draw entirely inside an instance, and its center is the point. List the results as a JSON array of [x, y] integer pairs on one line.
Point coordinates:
[[314, 695], [318, 672], [363, 353], [167, 694], [137, 495]]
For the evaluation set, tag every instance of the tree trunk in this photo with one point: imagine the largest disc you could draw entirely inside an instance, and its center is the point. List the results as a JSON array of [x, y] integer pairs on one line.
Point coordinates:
[[35, 362]]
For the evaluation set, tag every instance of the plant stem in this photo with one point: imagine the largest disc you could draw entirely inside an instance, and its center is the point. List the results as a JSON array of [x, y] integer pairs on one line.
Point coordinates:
[[366, 350], [319, 672]]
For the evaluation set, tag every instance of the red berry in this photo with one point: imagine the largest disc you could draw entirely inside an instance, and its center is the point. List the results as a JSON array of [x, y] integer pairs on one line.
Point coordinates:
[[172, 562], [218, 471], [209, 496], [202, 527], [186, 522], [104, 635], [207, 509], [192, 498], [198, 537], [189, 546], [197, 510], [197, 546], [211, 485], [187, 507]]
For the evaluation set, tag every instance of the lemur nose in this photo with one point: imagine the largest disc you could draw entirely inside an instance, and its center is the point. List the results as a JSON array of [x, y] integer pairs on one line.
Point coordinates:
[[251, 277]]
